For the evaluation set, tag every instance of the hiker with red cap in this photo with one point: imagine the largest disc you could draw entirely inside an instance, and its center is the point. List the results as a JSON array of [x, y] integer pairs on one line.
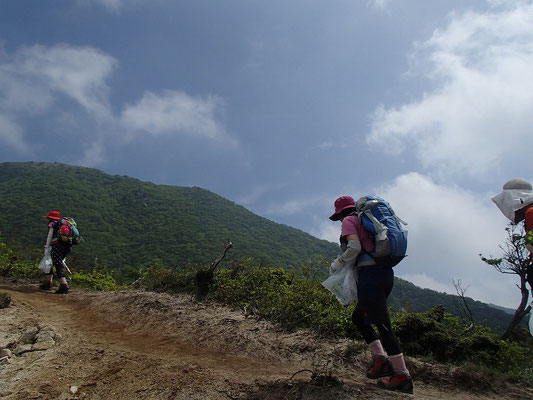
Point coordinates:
[[374, 284], [58, 251], [515, 201]]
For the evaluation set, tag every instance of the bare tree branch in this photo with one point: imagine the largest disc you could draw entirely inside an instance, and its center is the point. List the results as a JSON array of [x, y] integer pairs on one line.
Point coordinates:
[[228, 245], [462, 305], [516, 259]]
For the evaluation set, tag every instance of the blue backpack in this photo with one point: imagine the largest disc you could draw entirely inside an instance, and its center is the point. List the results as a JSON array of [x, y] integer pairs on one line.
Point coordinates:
[[379, 219]]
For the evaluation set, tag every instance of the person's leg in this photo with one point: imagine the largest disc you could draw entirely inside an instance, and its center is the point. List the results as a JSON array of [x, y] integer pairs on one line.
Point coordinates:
[[381, 366], [400, 379], [362, 323], [46, 284], [378, 313], [58, 254]]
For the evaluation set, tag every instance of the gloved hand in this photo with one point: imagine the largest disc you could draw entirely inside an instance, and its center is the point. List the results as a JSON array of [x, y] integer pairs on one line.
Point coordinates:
[[336, 266]]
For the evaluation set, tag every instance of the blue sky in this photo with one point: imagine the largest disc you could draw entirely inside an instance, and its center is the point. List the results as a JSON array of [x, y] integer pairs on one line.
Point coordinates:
[[284, 106]]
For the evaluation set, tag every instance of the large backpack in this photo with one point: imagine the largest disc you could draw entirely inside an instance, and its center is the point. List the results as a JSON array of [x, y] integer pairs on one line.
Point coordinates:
[[68, 230], [379, 219]]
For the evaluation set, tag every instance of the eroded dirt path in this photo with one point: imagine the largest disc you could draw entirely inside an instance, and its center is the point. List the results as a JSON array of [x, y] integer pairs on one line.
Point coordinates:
[[141, 345]]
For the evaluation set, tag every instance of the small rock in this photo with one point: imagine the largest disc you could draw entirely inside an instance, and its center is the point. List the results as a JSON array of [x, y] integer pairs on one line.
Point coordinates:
[[5, 353], [41, 346], [44, 340], [28, 337], [22, 348], [5, 360], [73, 389], [46, 328]]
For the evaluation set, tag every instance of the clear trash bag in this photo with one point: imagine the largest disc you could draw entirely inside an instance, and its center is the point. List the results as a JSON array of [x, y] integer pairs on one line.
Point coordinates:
[[513, 203], [342, 283], [45, 264], [531, 321]]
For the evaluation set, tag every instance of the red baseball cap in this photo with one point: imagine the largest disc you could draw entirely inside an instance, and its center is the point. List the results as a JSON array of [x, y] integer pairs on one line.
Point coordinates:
[[53, 215], [342, 203]]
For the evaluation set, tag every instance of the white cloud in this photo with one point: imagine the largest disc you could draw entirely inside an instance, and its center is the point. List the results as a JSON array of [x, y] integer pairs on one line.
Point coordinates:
[[448, 228], [258, 191], [293, 206], [479, 114], [327, 230], [35, 76], [94, 154], [37, 80], [424, 281], [11, 135], [175, 112]]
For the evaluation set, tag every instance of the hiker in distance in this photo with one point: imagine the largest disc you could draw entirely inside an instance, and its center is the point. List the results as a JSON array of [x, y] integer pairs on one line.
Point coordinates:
[[58, 251], [516, 203], [374, 284]]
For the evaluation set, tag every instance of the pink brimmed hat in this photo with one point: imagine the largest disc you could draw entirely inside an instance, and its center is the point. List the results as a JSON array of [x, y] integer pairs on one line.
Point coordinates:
[[342, 203], [53, 215]]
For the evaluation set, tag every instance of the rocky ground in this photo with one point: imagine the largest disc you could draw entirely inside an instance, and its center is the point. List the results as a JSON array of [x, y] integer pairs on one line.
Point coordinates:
[[141, 345]]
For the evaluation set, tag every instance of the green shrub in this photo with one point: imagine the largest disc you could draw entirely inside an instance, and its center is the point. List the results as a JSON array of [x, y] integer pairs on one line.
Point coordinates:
[[282, 297], [12, 267], [296, 300], [439, 336], [97, 279], [160, 279]]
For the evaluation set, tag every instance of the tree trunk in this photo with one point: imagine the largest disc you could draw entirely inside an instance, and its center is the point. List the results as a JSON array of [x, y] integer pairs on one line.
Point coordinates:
[[520, 312]]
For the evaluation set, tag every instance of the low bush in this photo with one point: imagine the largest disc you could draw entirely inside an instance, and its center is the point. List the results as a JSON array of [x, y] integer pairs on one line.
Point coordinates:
[[294, 300], [161, 279], [14, 268], [282, 297], [97, 279]]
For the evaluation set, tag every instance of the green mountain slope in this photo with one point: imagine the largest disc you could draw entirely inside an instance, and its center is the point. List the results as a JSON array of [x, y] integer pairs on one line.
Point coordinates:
[[412, 298], [128, 223]]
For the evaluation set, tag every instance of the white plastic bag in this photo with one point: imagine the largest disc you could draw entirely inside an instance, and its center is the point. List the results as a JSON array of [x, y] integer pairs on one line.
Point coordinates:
[[513, 202], [531, 320], [342, 283], [45, 264]]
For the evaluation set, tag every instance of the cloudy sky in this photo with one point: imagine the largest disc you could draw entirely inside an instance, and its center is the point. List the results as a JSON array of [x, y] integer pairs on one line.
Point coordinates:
[[282, 106]]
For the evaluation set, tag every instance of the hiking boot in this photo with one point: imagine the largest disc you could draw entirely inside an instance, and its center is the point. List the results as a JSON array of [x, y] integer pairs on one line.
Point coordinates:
[[62, 289], [398, 381], [45, 286], [381, 368]]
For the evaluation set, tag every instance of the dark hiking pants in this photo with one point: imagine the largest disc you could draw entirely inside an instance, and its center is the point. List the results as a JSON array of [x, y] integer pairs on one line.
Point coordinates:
[[58, 253], [373, 288]]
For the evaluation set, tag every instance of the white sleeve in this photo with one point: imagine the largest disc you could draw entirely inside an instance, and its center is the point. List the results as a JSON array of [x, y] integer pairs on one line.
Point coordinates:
[[49, 237], [352, 251]]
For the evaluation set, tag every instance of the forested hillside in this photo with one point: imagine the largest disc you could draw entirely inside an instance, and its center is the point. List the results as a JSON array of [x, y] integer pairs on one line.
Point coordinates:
[[125, 222], [412, 298]]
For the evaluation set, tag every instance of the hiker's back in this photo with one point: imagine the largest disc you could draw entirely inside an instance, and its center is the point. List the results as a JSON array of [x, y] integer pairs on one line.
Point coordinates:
[[378, 218], [68, 232], [365, 238]]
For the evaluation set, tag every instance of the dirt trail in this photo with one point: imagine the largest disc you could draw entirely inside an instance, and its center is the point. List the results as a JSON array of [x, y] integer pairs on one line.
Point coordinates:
[[141, 345]]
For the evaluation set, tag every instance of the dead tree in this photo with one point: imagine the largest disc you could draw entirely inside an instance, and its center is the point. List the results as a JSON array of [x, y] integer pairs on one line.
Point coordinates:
[[515, 260], [204, 277], [462, 305]]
